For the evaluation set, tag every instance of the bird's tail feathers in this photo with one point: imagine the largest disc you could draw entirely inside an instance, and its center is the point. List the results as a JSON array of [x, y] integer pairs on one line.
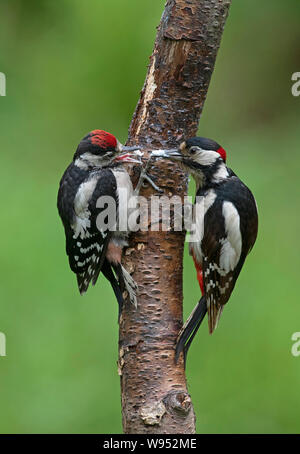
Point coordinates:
[[117, 288], [83, 281], [190, 328], [214, 313], [127, 282]]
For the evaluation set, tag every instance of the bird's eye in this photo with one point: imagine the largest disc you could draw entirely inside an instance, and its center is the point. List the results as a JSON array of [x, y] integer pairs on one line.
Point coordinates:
[[193, 150]]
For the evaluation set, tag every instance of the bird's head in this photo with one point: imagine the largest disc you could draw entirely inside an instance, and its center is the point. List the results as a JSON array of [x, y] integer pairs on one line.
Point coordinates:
[[100, 149], [202, 157]]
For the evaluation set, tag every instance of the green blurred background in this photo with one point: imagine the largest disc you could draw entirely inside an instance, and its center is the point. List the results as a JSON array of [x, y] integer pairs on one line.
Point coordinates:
[[73, 66]]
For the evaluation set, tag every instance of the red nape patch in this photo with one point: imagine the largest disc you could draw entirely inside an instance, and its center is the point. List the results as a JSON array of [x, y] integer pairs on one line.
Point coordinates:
[[222, 153], [199, 275], [103, 139]]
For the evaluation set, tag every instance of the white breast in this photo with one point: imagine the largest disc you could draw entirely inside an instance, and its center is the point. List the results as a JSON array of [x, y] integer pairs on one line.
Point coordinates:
[[124, 185], [125, 193]]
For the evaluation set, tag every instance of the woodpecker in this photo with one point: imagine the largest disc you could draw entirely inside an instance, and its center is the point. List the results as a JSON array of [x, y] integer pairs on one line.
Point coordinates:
[[225, 229], [96, 170]]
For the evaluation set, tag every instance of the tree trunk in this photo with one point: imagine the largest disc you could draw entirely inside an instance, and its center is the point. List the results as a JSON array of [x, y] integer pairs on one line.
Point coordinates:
[[154, 391]]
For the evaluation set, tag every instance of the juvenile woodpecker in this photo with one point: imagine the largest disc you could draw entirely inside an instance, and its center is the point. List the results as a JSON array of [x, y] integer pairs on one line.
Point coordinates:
[[225, 229], [96, 171]]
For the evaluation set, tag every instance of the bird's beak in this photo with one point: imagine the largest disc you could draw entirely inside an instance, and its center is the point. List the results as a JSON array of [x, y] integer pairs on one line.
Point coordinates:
[[128, 154], [172, 154], [134, 157]]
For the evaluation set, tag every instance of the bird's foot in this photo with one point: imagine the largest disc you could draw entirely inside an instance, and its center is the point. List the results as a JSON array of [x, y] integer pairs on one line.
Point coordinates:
[[145, 177], [131, 286]]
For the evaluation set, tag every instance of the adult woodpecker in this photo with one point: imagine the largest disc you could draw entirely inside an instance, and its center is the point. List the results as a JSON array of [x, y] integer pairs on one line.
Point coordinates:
[[96, 171], [225, 229]]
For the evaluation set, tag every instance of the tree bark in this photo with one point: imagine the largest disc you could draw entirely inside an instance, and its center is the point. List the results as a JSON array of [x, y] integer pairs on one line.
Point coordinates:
[[154, 391]]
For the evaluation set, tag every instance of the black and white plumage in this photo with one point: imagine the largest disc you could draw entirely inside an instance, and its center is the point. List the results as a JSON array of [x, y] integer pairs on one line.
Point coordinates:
[[225, 229], [96, 171]]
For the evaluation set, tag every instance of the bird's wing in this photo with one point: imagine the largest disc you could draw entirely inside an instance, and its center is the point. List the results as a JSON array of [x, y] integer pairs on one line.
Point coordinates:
[[221, 250], [87, 235]]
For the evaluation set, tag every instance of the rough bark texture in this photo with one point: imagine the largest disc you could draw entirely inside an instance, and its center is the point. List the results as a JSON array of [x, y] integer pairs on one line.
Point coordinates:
[[154, 392]]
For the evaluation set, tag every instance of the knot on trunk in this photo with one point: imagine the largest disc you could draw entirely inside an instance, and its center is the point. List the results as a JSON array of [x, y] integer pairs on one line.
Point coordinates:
[[178, 402]]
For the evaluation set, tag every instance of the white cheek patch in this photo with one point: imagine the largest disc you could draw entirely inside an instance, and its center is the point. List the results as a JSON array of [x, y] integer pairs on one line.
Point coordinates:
[[94, 159], [89, 159], [81, 164], [232, 244], [207, 157]]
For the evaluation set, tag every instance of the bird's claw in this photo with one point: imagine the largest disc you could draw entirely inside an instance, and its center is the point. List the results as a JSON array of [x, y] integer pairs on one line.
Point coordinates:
[[150, 181], [145, 177]]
